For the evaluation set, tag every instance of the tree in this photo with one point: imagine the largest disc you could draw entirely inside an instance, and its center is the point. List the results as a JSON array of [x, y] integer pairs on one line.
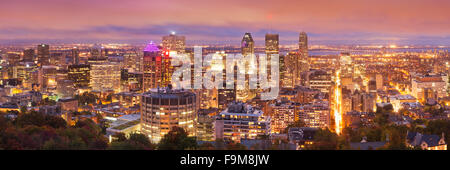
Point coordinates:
[[235, 146], [55, 122], [397, 137], [381, 119], [438, 127], [134, 142], [324, 139], [140, 139], [40, 131], [86, 98], [23, 110], [177, 139], [34, 118], [220, 144], [48, 101], [120, 137], [206, 146]]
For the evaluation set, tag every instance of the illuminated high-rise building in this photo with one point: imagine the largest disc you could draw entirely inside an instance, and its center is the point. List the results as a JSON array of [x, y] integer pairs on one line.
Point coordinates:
[[47, 78], [174, 42], [75, 56], [247, 44], [105, 77], [65, 88], [23, 73], [225, 97], [272, 47], [290, 72], [379, 80], [156, 67], [80, 75], [272, 44], [303, 45], [372, 85], [303, 58], [97, 54], [43, 54], [247, 49], [132, 61], [165, 108]]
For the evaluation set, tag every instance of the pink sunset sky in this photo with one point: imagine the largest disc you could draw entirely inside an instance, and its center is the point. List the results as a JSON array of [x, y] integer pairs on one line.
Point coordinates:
[[364, 21]]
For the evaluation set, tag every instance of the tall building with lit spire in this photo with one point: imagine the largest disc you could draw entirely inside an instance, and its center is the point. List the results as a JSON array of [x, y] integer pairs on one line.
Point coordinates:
[[247, 49], [247, 44], [156, 67], [272, 44]]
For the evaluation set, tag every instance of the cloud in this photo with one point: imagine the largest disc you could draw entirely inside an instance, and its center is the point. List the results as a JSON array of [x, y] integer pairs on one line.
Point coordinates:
[[206, 33], [206, 20]]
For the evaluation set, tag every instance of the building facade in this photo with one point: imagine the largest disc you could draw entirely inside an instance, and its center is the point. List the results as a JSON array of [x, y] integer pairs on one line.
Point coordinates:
[[165, 108], [241, 121]]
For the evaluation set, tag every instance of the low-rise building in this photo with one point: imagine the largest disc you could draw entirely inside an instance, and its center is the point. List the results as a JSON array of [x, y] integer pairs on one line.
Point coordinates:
[[355, 119], [125, 124], [426, 142], [241, 121], [205, 124], [315, 115]]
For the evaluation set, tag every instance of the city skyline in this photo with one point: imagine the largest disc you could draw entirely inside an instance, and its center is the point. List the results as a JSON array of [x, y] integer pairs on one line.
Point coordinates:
[[327, 22], [201, 75]]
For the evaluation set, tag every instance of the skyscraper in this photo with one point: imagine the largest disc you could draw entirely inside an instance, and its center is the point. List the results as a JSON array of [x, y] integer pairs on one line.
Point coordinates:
[[247, 49], [132, 61], [174, 43], [272, 47], [379, 80], [303, 44], [289, 72], [105, 76], [303, 59], [97, 54], [272, 44], [80, 75], [43, 54], [47, 78], [247, 44], [156, 67], [75, 55]]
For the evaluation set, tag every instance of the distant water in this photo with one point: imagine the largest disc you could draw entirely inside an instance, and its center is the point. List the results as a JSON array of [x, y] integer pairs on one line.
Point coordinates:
[[372, 51]]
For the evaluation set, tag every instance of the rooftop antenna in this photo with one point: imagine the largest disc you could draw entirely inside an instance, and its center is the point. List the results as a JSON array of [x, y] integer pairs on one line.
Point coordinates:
[[269, 19]]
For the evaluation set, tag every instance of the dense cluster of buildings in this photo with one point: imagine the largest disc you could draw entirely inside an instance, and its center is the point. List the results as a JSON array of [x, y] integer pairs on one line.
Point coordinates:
[[132, 88]]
